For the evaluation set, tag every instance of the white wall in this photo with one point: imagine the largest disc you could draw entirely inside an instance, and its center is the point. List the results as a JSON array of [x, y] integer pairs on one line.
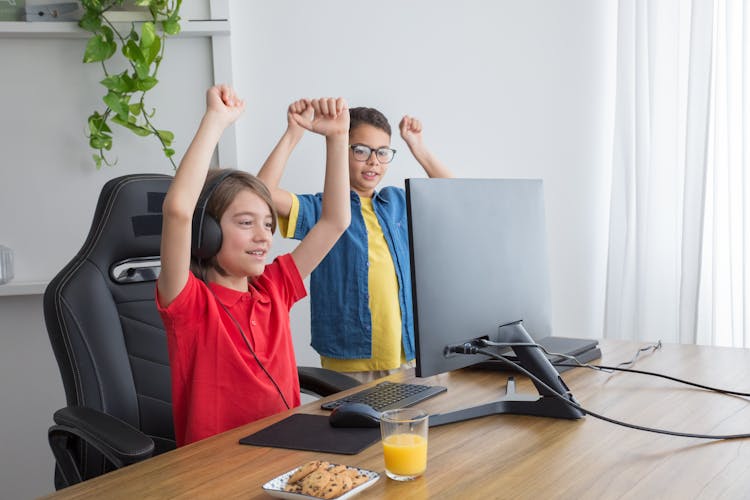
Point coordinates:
[[504, 89], [49, 183]]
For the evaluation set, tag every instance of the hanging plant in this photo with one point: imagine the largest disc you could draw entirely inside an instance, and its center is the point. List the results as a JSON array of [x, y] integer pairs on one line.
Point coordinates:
[[126, 90]]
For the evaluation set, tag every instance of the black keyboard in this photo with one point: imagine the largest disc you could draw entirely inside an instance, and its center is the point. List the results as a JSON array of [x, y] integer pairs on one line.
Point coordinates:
[[389, 395]]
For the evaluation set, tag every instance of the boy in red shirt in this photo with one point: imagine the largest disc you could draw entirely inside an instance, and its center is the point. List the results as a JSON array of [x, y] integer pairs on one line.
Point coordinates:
[[227, 313]]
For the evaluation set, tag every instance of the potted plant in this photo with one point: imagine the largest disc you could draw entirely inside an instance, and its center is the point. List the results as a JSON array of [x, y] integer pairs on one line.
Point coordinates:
[[142, 46]]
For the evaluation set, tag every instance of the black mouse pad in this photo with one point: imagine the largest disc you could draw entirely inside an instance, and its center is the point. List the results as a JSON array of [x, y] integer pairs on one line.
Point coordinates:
[[313, 433]]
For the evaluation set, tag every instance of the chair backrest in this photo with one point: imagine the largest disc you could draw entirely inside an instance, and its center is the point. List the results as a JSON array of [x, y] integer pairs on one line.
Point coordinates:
[[101, 315]]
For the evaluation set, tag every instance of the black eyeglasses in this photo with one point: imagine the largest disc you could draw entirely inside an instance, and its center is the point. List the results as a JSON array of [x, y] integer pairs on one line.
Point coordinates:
[[362, 153]]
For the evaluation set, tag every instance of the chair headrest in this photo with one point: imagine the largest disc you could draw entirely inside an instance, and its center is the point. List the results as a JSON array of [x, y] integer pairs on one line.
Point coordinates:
[[127, 221]]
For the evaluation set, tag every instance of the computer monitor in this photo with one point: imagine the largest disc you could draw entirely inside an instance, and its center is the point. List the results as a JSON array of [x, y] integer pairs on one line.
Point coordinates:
[[479, 270]]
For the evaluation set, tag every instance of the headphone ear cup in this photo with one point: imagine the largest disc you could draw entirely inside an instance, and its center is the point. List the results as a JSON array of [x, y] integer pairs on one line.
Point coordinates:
[[206, 236]]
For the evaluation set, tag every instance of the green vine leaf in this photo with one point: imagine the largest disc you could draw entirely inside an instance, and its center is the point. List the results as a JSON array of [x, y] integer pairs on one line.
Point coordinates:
[[132, 51], [152, 51], [141, 131], [98, 124], [147, 83], [142, 69], [171, 27], [90, 22], [101, 141], [148, 35], [118, 83], [126, 89], [118, 104], [166, 137], [99, 48]]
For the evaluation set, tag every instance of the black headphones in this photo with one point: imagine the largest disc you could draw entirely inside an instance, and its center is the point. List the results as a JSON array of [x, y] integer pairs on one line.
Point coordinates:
[[206, 237]]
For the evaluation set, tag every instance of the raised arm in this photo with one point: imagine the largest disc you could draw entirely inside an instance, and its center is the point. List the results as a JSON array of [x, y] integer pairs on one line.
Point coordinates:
[[411, 133], [273, 168], [331, 119], [223, 107]]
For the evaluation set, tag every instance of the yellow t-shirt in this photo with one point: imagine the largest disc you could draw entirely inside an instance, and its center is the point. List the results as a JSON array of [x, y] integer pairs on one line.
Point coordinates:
[[385, 311], [384, 307]]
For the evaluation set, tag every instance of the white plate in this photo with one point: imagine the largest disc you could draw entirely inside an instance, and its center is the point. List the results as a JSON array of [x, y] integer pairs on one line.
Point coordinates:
[[275, 487]]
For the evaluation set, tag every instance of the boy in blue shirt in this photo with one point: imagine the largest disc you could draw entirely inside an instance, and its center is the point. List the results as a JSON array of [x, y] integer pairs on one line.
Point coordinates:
[[361, 310]]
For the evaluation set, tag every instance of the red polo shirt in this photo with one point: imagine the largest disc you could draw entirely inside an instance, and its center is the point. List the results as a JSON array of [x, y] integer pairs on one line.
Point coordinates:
[[216, 383]]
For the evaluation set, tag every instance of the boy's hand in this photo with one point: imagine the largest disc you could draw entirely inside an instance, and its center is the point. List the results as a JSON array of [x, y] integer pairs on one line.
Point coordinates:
[[299, 112], [411, 131], [330, 117], [223, 103]]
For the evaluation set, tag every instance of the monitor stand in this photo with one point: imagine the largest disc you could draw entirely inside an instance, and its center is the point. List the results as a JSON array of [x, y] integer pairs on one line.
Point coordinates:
[[543, 404]]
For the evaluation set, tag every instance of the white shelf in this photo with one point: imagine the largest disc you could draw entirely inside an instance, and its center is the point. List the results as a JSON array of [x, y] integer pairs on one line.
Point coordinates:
[[23, 288], [70, 29]]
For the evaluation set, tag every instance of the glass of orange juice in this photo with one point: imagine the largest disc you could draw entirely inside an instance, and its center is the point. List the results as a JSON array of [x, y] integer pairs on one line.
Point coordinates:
[[404, 442]]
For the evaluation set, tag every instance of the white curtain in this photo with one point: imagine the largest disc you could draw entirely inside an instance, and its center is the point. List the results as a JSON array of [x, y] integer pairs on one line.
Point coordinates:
[[678, 264]]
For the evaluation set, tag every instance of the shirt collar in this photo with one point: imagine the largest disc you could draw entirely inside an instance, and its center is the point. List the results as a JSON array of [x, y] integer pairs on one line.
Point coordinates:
[[229, 297], [375, 194]]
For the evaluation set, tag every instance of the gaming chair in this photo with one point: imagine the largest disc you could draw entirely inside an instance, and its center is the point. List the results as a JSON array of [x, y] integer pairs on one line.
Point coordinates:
[[110, 343]]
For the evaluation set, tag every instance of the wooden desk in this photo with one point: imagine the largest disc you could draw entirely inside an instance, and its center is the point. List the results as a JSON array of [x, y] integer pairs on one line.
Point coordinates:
[[509, 456]]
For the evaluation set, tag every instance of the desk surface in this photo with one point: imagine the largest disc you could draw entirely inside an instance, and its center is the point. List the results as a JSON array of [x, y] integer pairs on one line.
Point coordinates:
[[508, 456]]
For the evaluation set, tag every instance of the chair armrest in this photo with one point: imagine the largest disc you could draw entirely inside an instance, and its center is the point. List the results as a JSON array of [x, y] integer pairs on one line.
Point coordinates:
[[324, 382], [121, 443]]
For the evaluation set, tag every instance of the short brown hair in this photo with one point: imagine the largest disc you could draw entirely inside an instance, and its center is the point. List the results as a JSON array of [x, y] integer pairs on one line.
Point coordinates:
[[368, 116], [223, 196]]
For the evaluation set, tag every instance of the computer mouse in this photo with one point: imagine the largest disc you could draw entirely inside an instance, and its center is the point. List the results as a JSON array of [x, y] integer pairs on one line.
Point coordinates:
[[354, 415]]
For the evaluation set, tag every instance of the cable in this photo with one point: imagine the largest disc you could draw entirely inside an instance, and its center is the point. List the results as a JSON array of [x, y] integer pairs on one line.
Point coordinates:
[[661, 375], [247, 343], [652, 348], [596, 415], [489, 343], [610, 369]]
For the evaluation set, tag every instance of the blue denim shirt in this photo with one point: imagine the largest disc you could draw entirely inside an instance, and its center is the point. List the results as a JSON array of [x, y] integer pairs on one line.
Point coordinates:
[[339, 293]]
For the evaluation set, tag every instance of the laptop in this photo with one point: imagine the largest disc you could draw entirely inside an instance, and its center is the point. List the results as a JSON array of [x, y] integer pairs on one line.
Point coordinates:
[[584, 350]]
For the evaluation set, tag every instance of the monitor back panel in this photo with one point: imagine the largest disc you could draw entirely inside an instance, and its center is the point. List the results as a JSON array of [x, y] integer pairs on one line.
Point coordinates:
[[479, 260]]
